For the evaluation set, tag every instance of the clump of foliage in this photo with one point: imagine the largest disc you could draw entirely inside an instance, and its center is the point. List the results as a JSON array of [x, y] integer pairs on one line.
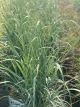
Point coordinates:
[[33, 57], [31, 32]]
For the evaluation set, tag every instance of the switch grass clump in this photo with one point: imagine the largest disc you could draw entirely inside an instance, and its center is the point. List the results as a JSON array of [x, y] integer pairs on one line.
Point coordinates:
[[31, 59]]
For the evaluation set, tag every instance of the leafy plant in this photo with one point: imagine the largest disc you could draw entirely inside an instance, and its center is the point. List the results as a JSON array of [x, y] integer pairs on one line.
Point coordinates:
[[31, 32], [33, 56]]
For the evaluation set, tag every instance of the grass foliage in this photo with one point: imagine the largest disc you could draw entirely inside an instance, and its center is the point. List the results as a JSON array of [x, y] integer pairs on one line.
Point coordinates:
[[33, 50]]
